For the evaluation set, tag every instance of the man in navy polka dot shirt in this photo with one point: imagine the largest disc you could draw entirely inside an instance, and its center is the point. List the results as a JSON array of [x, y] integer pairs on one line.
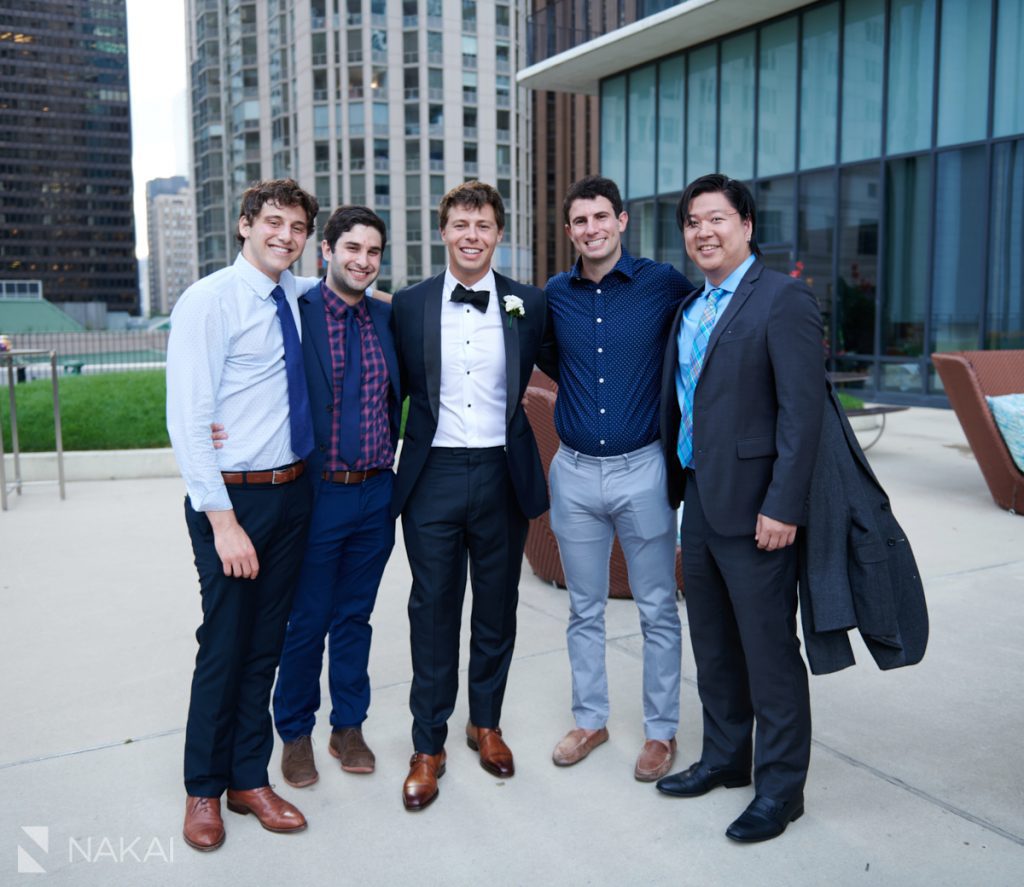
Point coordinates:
[[609, 319]]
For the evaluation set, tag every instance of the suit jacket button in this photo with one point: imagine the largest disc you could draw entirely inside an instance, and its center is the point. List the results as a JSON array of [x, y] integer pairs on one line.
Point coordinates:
[[885, 506], [890, 542], [323, 448], [330, 408]]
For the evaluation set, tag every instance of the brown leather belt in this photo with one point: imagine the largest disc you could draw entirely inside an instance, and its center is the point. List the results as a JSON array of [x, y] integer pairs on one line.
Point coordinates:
[[350, 477], [272, 477]]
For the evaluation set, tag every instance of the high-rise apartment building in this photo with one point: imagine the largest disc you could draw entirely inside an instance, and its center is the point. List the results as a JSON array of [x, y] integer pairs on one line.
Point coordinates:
[[384, 102], [66, 213], [170, 215]]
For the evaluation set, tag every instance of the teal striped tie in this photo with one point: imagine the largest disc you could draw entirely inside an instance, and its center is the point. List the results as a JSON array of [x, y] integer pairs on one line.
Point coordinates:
[[691, 373]]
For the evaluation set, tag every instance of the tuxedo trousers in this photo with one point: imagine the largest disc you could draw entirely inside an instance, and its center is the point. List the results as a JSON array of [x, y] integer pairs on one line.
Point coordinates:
[[463, 510], [229, 735], [741, 607]]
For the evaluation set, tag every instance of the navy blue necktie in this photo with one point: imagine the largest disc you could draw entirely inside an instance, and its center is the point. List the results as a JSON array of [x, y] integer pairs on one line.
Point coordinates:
[[299, 415], [348, 443]]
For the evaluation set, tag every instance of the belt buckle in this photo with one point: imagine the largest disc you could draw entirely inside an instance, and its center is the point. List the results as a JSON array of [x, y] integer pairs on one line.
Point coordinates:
[[348, 474], [273, 477]]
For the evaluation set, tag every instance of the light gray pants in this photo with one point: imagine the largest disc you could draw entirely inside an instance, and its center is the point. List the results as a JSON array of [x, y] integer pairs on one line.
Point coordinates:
[[592, 499]]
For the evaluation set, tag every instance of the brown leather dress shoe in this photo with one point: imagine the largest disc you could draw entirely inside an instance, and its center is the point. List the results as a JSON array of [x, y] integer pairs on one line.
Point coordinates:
[[349, 747], [420, 787], [297, 764], [655, 759], [495, 756], [204, 829], [577, 744], [274, 812]]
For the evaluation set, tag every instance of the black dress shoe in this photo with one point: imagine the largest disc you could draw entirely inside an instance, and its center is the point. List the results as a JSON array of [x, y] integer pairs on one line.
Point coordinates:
[[765, 819], [699, 779]]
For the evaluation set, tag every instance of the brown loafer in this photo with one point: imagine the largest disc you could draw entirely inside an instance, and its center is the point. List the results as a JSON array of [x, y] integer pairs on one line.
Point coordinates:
[[577, 744], [655, 759], [297, 764], [274, 812], [349, 747], [420, 787], [204, 828], [495, 756]]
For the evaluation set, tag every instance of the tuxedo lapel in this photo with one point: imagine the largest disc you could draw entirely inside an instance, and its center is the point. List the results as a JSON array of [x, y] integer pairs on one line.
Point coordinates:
[[311, 311], [432, 342], [510, 331]]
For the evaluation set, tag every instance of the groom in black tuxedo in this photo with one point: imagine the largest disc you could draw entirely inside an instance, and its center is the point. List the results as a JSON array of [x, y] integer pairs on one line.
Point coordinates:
[[469, 478]]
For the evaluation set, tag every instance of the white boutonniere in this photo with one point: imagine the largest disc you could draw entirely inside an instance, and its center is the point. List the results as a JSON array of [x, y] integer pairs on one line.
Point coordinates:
[[514, 307]]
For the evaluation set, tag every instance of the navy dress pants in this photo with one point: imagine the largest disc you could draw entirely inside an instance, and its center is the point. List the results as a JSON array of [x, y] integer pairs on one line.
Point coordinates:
[[350, 539], [229, 735]]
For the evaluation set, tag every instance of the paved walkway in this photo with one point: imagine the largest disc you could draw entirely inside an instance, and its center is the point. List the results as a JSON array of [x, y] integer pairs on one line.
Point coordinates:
[[917, 775]]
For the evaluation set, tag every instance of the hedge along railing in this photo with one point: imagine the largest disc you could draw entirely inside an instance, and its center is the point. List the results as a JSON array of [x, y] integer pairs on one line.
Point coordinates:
[[100, 351]]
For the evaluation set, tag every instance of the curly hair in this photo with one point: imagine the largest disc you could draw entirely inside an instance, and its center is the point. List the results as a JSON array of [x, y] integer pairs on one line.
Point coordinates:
[[283, 192]]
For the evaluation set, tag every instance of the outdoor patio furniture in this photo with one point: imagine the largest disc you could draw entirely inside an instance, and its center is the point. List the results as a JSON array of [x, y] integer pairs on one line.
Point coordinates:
[[968, 377]]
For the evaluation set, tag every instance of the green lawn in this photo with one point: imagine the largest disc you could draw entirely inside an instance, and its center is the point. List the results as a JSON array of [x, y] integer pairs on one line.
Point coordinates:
[[110, 411]]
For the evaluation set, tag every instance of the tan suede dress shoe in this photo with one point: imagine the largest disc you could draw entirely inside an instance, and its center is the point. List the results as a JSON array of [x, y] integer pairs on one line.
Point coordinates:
[[420, 787], [274, 812], [349, 747], [495, 756], [655, 759], [577, 744], [297, 764], [204, 828]]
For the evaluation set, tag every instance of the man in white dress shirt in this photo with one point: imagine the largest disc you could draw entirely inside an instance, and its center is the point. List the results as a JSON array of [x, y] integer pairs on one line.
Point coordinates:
[[234, 357], [469, 478]]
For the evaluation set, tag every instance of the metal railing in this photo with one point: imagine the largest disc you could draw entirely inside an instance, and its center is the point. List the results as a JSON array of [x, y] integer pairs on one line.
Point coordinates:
[[99, 351]]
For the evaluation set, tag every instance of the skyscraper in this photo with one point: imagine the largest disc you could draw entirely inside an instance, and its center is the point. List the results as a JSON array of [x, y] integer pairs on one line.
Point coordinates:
[[384, 102], [170, 217], [66, 151]]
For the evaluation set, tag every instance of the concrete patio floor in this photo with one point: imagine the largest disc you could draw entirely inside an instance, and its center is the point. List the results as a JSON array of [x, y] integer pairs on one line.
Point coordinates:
[[917, 775]]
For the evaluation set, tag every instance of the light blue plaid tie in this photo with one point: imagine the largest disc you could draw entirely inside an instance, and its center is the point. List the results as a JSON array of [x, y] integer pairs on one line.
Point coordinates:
[[691, 373]]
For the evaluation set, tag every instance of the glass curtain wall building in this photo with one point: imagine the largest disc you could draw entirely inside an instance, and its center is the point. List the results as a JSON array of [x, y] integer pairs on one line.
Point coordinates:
[[66, 215], [884, 140], [387, 103]]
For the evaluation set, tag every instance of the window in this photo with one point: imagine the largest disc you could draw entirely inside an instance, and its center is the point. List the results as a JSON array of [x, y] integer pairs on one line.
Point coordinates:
[[613, 129], [701, 113], [963, 71], [819, 86], [863, 59], [776, 127], [642, 133], [736, 143]]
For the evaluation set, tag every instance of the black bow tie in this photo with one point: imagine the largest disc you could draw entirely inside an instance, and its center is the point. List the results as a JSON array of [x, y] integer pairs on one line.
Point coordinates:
[[477, 298]]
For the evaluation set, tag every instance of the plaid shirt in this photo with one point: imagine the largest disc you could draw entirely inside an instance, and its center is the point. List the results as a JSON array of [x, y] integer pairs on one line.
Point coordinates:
[[376, 450]]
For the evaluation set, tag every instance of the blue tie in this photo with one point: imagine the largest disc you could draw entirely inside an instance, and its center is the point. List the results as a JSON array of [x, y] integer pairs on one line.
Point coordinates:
[[690, 373], [348, 443], [299, 415]]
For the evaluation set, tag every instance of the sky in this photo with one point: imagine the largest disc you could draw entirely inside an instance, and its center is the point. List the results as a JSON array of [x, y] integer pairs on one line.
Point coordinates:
[[157, 70]]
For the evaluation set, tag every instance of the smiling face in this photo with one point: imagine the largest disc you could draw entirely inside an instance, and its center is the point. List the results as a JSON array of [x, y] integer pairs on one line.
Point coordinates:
[[595, 230], [471, 236], [354, 263], [275, 238], [717, 239]]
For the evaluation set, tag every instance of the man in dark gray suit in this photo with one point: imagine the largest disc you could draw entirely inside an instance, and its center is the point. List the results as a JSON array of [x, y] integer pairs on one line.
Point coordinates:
[[742, 396]]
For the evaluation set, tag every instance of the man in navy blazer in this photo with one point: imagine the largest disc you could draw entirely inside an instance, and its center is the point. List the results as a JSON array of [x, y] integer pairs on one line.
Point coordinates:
[[469, 478], [742, 398], [356, 417]]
